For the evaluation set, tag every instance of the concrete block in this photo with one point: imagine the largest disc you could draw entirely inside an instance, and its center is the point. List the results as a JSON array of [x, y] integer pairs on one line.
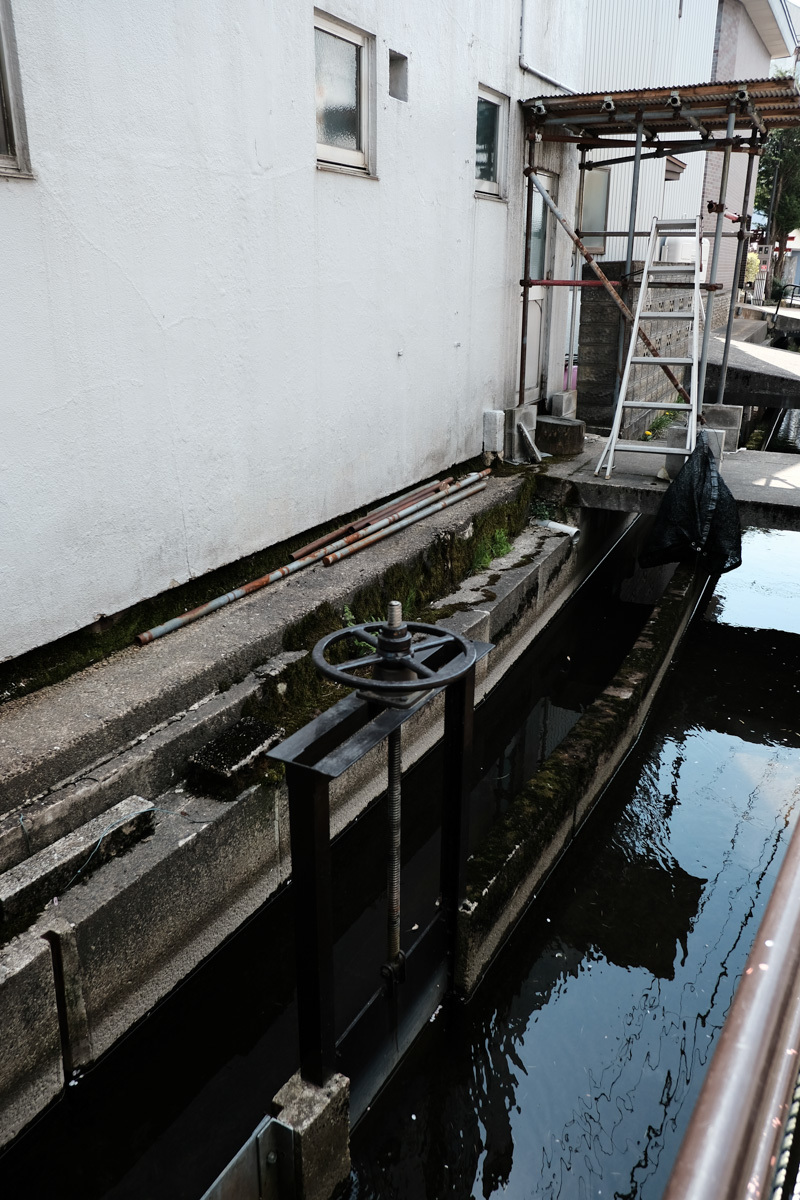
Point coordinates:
[[493, 430], [320, 1119], [676, 436], [527, 414], [31, 1071], [27, 887], [564, 404], [145, 921], [560, 435], [727, 417], [234, 760]]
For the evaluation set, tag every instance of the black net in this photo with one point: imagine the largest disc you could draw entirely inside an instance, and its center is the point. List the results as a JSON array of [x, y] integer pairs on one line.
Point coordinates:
[[698, 518]]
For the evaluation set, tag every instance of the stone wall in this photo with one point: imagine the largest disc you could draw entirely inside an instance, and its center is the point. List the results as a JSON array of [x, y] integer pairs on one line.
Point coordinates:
[[597, 351]]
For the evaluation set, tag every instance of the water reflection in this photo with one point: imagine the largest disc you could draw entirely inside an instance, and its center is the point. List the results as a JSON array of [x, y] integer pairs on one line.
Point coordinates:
[[574, 1070]]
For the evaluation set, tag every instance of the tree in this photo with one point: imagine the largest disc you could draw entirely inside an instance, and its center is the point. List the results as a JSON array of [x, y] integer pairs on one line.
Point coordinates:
[[781, 151]]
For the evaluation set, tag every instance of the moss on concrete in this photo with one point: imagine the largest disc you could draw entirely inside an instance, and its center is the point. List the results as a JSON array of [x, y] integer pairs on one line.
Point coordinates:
[[61, 658], [524, 836]]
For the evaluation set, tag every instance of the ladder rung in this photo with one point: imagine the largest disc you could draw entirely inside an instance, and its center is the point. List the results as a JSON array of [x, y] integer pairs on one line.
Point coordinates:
[[662, 268], [688, 315], [649, 404], [649, 448], [689, 225], [662, 360]]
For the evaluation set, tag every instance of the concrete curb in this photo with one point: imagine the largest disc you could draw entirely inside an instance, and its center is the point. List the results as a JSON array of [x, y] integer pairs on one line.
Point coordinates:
[[541, 822]]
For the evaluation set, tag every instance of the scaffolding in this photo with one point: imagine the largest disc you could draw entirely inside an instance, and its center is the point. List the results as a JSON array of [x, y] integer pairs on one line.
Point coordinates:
[[723, 118]]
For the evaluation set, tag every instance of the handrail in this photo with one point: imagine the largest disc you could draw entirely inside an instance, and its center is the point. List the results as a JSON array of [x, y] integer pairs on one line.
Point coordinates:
[[731, 1149]]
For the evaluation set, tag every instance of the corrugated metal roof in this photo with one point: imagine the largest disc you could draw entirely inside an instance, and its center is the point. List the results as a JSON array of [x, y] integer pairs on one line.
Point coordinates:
[[775, 102]]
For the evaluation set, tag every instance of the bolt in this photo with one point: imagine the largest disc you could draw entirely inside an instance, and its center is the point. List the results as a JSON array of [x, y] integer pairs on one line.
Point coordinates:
[[272, 1158], [394, 617]]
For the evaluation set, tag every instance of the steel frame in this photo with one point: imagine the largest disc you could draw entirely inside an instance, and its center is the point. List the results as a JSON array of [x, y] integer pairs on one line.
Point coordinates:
[[660, 118], [314, 756]]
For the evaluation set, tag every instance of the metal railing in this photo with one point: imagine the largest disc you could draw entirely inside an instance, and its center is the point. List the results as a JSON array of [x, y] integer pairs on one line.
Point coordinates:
[[736, 1146]]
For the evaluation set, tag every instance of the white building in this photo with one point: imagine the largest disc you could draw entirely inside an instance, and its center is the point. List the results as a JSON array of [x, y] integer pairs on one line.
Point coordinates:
[[260, 270]]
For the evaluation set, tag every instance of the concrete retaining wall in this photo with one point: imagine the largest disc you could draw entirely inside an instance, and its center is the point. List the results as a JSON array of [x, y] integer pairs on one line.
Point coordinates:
[[524, 846]]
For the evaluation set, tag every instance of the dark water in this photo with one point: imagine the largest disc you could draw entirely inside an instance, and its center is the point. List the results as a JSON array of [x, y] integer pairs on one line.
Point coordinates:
[[161, 1114], [786, 439], [574, 1070]]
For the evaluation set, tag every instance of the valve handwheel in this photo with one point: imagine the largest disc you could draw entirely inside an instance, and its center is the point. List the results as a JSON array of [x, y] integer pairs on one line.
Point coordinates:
[[397, 669]]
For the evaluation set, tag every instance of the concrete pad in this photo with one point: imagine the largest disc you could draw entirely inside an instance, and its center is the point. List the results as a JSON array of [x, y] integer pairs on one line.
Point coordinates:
[[320, 1119], [63, 730], [150, 917], [765, 486], [31, 1073], [28, 887]]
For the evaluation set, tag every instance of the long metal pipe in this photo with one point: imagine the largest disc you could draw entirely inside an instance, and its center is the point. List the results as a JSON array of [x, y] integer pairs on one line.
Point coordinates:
[[738, 1122], [723, 191], [637, 165], [523, 348], [744, 223], [393, 873], [422, 508], [621, 305], [330, 559], [573, 307]]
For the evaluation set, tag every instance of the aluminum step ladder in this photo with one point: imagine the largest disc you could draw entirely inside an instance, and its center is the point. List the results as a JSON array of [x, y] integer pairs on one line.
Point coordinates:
[[653, 276]]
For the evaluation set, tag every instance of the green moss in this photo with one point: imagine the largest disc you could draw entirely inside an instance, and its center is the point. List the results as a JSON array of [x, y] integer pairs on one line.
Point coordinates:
[[526, 832], [109, 634]]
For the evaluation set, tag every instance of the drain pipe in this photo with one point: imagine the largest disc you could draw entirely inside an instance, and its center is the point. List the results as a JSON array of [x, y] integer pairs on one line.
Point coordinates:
[[719, 208], [526, 271], [571, 531], [524, 66]]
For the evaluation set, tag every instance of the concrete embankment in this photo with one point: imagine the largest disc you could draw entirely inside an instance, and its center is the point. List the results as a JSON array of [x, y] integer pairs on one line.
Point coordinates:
[[175, 733]]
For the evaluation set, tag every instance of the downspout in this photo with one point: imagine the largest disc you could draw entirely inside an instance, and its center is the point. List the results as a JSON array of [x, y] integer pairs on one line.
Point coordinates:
[[720, 211], [576, 267], [523, 66], [526, 274], [637, 163], [744, 239]]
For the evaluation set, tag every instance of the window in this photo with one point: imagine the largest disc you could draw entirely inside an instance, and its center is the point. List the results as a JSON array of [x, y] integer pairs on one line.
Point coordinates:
[[343, 72], [594, 212], [490, 141], [13, 138]]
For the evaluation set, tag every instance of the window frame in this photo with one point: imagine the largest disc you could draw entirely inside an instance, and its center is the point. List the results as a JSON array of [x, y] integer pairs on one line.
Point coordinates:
[[358, 161], [493, 187], [17, 164]]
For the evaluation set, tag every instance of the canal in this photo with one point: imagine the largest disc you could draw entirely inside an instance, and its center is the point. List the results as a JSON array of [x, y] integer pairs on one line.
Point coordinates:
[[574, 1070]]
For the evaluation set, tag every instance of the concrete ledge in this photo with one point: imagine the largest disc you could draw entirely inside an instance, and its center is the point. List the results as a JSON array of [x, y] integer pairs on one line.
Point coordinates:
[[523, 847], [28, 887], [149, 918], [31, 1073]]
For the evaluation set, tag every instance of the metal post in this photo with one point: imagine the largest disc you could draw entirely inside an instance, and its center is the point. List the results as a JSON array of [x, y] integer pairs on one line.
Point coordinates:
[[309, 827], [459, 713], [393, 874], [523, 352], [723, 189], [575, 271], [637, 164], [744, 224]]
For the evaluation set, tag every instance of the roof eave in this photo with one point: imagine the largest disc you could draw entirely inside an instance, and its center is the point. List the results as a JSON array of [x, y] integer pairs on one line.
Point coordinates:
[[771, 19]]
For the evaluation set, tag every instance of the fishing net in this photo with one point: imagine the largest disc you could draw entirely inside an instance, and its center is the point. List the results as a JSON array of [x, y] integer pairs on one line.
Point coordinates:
[[698, 519]]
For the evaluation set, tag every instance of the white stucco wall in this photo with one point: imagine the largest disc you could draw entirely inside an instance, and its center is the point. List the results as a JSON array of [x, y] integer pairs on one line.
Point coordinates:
[[209, 344]]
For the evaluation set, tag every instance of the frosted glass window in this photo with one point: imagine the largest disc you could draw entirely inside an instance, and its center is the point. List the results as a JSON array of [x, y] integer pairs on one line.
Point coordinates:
[[486, 140], [344, 65], [538, 237], [594, 214], [490, 136], [338, 71]]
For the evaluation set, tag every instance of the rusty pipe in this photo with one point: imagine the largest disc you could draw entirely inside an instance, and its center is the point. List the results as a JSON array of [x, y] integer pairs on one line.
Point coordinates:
[[370, 540], [526, 270], [731, 1147], [421, 509], [621, 305]]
